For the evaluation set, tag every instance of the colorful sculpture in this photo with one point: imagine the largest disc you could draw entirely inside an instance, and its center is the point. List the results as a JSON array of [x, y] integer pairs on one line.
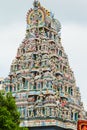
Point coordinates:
[[41, 79]]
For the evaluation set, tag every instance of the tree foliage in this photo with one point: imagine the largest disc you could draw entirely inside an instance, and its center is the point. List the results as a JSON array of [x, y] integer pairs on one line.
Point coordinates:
[[9, 116]]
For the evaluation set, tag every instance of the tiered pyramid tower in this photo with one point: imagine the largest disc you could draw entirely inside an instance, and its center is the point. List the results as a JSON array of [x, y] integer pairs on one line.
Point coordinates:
[[41, 79]]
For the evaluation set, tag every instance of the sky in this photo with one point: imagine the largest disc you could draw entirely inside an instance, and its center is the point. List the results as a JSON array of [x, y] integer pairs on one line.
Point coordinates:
[[72, 15]]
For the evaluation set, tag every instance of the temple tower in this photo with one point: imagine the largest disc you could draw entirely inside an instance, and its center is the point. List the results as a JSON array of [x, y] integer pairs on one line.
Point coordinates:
[[40, 77]]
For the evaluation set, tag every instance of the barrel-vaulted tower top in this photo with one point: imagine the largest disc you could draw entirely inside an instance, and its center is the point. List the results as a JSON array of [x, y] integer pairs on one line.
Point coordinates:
[[39, 16]]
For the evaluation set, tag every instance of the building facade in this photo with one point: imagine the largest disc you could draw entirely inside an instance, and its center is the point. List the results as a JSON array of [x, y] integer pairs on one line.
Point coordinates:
[[40, 77], [1, 83]]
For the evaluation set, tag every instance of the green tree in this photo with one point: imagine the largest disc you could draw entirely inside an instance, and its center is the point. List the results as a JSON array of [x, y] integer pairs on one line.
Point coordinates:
[[9, 116]]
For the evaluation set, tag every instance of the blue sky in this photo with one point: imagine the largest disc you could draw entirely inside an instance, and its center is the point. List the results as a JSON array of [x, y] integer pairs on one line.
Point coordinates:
[[73, 17]]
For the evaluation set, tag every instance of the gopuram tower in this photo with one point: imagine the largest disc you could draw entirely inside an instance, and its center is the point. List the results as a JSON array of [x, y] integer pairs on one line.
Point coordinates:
[[41, 79]]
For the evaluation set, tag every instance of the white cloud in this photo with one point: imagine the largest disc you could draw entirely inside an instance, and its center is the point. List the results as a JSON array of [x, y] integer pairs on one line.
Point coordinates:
[[10, 38], [74, 38]]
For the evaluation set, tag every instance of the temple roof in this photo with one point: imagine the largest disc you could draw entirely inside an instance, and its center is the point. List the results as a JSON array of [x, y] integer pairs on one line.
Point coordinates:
[[40, 16]]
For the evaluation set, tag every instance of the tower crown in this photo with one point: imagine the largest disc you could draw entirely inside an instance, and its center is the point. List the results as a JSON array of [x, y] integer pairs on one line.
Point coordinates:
[[40, 17]]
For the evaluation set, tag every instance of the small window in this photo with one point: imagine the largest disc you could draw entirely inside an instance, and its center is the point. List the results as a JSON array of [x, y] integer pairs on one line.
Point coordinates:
[[69, 90], [29, 112], [35, 113], [25, 83], [58, 89], [10, 88], [60, 53], [34, 86], [71, 115], [34, 56], [57, 66], [76, 116], [39, 47], [39, 85], [18, 87], [67, 113], [61, 88], [49, 84], [43, 111], [6, 88], [46, 33], [65, 88], [23, 50], [14, 88], [23, 80]]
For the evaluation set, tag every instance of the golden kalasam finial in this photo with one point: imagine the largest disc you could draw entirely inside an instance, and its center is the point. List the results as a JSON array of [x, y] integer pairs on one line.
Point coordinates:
[[36, 3]]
